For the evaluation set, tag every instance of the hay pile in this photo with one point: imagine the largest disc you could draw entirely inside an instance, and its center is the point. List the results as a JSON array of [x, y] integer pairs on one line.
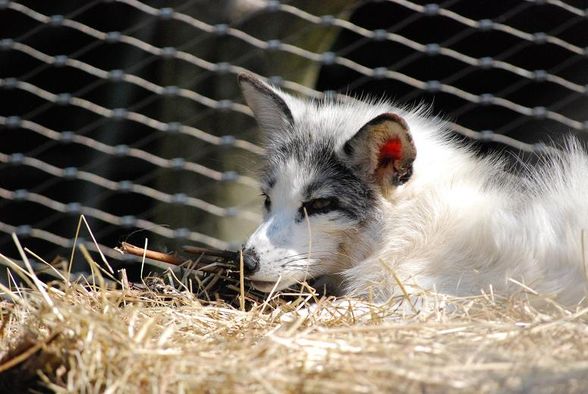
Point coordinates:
[[75, 336]]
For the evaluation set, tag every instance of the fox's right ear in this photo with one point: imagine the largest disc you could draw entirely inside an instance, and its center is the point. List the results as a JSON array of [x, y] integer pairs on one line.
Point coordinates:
[[268, 106], [383, 152]]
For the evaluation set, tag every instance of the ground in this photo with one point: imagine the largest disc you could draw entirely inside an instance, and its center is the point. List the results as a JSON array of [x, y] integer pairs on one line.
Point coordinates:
[[80, 337]]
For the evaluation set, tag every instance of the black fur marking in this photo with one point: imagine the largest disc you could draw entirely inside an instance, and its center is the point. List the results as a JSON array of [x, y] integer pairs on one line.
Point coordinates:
[[401, 178], [268, 179], [319, 206], [310, 189], [355, 198], [267, 202], [348, 148]]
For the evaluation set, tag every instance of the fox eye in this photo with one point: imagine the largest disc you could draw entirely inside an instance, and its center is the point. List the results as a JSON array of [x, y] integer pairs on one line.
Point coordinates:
[[319, 205], [267, 202]]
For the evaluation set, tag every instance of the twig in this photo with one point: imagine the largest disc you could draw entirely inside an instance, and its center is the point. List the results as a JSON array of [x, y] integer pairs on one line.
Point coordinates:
[[225, 254], [126, 247]]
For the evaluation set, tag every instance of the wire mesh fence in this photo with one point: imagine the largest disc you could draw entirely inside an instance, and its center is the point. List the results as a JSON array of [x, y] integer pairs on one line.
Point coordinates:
[[128, 111]]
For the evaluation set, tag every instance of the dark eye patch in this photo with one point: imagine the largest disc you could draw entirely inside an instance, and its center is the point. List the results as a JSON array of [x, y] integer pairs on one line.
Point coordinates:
[[318, 206], [267, 202], [331, 176]]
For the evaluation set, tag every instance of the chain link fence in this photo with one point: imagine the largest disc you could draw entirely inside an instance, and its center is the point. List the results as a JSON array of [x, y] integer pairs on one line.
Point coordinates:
[[128, 111]]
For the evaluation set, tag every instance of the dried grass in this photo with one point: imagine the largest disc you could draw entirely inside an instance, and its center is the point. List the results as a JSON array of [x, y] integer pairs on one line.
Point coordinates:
[[75, 336]]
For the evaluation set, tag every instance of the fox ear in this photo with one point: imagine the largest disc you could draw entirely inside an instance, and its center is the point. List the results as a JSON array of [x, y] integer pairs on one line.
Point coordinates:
[[383, 151], [268, 106]]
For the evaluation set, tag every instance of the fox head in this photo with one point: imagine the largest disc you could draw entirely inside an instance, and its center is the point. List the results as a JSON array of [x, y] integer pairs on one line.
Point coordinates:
[[328, 166]]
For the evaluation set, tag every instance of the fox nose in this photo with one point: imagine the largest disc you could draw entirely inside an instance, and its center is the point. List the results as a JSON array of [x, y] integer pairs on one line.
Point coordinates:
[[250, 261]]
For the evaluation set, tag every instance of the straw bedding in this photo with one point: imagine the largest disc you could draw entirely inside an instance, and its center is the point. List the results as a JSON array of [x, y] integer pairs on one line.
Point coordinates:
[[79, 336]]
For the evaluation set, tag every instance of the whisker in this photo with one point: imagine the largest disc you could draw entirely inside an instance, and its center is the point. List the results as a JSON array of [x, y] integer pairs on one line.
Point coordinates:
[[285, 262], [305, 260], [306, 253], [299, 256], [288, 259]]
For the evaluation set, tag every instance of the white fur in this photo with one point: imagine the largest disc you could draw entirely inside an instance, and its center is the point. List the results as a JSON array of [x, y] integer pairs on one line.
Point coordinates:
[[460, 225]]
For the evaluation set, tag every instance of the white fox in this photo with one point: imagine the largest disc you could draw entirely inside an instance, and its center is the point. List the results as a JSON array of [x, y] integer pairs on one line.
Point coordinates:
[[367, 195]]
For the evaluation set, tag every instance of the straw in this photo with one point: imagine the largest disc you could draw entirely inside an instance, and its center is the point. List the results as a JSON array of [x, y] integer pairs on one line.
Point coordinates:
[[160, 337]]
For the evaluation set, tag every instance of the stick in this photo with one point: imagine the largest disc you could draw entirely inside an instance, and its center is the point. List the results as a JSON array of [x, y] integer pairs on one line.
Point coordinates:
[[126, 247], [204, 265], [225, 254]]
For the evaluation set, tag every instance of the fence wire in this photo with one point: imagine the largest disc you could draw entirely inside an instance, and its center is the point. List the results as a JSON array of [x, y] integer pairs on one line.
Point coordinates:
[[128, 112]]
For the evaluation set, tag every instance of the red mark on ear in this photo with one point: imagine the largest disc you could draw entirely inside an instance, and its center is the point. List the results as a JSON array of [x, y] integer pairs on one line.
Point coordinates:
[[391, 150]]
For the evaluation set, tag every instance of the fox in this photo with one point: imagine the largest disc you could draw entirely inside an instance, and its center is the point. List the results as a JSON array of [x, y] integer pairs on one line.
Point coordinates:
[[376, 199]]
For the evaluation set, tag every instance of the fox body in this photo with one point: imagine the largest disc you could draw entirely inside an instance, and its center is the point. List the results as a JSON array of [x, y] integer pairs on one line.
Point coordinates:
[[367, 195]]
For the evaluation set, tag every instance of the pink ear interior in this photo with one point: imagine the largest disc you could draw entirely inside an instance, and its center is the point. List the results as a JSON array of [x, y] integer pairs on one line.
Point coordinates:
[[391, 150]]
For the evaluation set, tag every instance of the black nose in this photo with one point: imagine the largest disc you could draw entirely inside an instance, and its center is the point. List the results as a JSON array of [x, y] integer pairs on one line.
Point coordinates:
[[250, 261]]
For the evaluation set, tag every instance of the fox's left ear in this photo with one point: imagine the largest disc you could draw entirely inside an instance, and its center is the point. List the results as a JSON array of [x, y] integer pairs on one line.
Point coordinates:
[[383, 151]]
